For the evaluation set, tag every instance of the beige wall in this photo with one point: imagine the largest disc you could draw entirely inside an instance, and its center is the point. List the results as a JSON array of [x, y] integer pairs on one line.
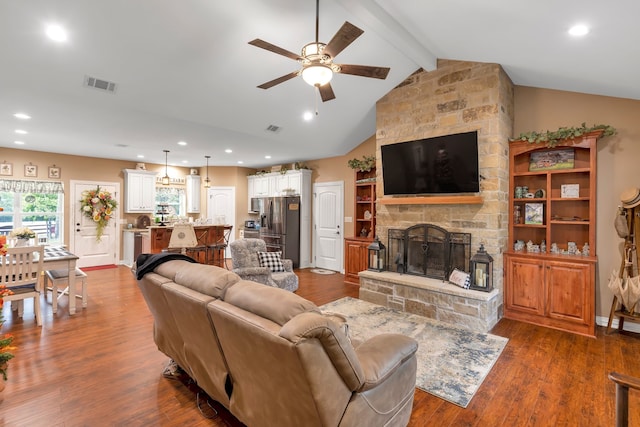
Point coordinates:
[[335, 169], [618, 159], [106, 170]]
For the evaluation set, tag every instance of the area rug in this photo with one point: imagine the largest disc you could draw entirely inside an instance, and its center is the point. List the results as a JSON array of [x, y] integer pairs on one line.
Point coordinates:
[[452, 362], [322, 271]]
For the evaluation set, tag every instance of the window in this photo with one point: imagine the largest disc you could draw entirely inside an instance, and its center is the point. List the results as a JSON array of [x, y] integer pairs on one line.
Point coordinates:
[[34, 204], [175, 200]]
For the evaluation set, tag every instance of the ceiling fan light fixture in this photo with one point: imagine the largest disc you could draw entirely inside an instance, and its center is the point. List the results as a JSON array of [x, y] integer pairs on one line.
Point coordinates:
[[317, 74], [315, 49]]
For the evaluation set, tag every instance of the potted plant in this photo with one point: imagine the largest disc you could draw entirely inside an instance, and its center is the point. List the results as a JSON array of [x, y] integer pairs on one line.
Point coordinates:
[[365, 165], [23, 234], [5, 339]]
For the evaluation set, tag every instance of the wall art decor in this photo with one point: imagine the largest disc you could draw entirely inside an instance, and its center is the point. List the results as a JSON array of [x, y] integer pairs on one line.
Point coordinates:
[[30, 171], [6, 169], [54, 172]]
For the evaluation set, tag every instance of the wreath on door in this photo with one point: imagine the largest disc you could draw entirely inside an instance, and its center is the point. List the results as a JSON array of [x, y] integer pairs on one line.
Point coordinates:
[[99, 206]]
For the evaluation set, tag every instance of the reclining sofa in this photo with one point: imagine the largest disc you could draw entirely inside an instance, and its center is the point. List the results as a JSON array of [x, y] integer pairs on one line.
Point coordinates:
[[273, 358]]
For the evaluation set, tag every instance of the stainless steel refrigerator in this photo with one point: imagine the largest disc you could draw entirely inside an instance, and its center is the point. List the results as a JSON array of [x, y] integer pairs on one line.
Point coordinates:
[[280, 226]]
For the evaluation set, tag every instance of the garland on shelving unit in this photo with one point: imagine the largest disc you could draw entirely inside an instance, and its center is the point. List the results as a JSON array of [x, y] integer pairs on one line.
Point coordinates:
[[551, 139]]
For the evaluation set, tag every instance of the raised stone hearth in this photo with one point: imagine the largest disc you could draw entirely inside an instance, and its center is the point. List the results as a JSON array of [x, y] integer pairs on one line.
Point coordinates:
[[433, 298]]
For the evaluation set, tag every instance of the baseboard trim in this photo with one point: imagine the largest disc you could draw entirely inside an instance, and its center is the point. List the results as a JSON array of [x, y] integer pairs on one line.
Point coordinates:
[[628, 326]]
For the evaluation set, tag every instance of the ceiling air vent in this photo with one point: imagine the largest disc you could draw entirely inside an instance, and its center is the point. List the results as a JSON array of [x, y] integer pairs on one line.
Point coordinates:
[[273, 128], [99, 84]]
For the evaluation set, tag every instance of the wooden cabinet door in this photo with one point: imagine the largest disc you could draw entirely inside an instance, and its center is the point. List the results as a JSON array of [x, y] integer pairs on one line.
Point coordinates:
[[570, 291], [355, 260], [525, 285]]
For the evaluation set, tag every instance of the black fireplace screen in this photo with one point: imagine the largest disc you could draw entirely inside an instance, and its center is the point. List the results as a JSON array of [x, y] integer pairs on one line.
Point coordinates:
[[428, 250]]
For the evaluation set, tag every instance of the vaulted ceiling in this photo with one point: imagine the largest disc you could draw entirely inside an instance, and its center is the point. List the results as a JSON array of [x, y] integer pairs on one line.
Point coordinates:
[[184, 70]]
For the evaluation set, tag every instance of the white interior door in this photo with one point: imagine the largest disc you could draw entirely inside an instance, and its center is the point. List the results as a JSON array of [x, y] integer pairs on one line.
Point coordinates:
[[221, 209], [328, 220], [83, 230]]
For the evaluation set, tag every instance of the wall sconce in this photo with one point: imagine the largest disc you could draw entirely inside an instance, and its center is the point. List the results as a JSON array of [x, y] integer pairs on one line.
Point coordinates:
[[377, 255], [481, 271], [165, 178], [207, 181]]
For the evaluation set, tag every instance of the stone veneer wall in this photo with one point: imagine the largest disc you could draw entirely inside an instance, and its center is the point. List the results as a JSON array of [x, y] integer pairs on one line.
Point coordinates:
[[456, 97]]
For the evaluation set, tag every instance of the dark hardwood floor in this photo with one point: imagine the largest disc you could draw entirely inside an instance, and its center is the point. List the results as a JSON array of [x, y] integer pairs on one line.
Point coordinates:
[[100, 367]]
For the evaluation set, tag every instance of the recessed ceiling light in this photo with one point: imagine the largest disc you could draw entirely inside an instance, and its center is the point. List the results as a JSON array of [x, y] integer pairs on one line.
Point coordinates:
[[140, 156], [56, 33], [228, 150], [21, 132], [185, 161], [182, 143], [308, 115], [267, 157], [579, 30], [22, 116], [18, 142], [240, 162]]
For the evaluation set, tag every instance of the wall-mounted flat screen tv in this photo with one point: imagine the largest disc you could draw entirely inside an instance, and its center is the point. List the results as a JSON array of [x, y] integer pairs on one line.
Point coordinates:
[[440, 165]]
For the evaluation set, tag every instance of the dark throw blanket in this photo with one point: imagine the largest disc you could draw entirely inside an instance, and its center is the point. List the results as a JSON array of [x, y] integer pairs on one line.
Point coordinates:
[[146, 263]]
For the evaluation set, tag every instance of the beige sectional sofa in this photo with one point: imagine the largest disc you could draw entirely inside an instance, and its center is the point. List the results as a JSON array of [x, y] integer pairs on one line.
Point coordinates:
[[273, 358]]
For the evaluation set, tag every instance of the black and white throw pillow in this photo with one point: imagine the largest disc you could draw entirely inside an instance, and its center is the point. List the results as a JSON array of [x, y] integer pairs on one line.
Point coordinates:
[[271, 260]]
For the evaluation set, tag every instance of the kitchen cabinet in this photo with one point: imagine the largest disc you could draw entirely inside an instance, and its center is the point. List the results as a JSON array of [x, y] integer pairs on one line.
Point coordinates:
[[552, 205], [140, 191], [193, 193]]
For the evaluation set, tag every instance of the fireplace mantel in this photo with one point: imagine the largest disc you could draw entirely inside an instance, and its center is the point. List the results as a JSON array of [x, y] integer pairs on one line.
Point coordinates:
[[432, 200]]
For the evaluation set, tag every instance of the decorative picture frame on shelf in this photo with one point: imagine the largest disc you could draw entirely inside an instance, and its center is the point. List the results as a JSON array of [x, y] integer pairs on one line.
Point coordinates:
[[570, 191], [6, 169], [534, 213], [30, 171], [552, 160], [54, 172]]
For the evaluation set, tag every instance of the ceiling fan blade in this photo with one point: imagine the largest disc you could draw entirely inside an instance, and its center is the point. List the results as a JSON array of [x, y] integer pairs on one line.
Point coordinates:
[[365, 71], [279, 80], [275, 49], [326, 92], [343, 38]]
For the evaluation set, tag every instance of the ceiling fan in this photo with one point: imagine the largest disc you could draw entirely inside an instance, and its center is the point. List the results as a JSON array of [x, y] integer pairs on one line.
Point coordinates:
[[317, 60]]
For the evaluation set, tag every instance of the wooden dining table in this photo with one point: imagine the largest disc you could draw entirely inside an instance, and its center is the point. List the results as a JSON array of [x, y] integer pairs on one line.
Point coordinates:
[[58, 258]]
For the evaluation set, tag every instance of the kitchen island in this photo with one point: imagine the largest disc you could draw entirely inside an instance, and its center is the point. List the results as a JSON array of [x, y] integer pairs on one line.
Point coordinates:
[[208, 237]]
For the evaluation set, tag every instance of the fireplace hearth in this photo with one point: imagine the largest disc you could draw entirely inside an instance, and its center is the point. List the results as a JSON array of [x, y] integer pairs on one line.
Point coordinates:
[[428, 250]]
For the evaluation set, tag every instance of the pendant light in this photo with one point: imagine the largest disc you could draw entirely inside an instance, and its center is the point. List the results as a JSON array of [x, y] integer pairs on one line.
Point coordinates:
[[207, 181], [165, 178]]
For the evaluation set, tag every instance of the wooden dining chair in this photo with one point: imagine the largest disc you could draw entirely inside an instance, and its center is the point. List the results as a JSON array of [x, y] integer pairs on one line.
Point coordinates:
[[623, 384], [20, 271]]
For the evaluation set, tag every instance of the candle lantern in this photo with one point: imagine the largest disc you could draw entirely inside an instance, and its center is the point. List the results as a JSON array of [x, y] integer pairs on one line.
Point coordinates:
[[481, 271], [377, 255]]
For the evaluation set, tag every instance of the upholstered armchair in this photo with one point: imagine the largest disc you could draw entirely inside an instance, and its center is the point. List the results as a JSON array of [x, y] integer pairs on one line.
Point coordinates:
[[251, 261]]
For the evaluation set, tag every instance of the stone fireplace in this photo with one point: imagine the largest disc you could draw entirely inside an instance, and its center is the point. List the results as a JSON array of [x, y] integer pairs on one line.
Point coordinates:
[[456, 97]]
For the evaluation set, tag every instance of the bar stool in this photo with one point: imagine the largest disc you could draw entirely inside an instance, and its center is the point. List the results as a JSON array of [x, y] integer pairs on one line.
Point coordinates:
[[61, 277], [216, 251]]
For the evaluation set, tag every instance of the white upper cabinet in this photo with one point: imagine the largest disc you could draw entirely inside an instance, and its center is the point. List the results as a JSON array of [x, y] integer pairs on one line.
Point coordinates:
[[193, 193], [140, 190]]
